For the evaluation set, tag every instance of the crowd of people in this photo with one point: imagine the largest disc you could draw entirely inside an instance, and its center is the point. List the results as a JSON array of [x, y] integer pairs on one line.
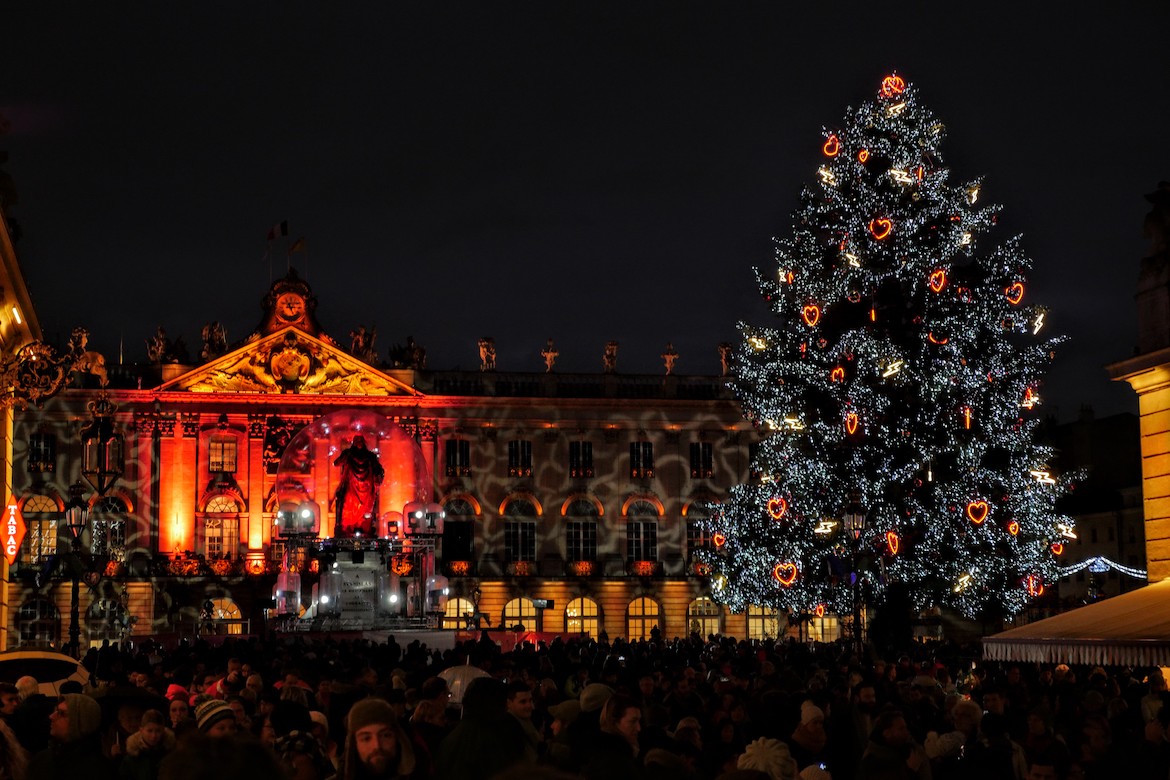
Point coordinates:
[[684, 709]]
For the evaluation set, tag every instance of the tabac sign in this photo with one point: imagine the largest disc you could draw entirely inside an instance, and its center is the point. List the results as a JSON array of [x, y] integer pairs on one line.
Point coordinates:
[[13, 532]]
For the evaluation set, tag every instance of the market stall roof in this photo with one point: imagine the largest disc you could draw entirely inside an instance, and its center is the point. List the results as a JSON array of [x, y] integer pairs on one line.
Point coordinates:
[[1132, 629]]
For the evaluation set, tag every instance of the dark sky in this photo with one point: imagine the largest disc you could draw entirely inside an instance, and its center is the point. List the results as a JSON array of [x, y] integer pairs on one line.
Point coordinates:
[[586, 171]]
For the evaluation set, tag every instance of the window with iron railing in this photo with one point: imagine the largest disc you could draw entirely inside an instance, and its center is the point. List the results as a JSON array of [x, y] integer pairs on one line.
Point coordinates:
[[42, 453], [580, 459], [641, 460], [458, 458], [702, 465], [520, 458], [222, 454]]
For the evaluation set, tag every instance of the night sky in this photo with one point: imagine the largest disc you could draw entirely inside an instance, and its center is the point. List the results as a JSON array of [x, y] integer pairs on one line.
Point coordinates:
[[585, 171]]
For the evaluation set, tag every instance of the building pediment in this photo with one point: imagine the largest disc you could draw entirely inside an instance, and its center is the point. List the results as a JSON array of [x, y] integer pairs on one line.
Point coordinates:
[[289, 361]]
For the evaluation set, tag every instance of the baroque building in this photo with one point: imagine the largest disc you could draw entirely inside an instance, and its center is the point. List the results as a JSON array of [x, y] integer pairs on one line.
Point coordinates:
[[573, 502]]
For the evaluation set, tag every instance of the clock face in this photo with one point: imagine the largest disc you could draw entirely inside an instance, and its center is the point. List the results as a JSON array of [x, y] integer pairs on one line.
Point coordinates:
[[290, 307]]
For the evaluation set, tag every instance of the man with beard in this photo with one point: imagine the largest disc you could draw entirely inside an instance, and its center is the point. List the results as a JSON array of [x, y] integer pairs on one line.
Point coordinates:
[[375, 744]]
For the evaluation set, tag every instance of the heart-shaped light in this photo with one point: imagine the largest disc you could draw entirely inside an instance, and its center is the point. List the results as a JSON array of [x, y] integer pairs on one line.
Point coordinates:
[[863, 155], [892, 542], [851, 423], [719, 539], [811, 314], [832, 146], [784, 573], [819, 611], [1013, 528], [1014, 293], [938, 280], [880, 228], [977, 511], [1057, 548], [777, 508], [1034, 585], [893, 85], [940, 340], [837, 374]]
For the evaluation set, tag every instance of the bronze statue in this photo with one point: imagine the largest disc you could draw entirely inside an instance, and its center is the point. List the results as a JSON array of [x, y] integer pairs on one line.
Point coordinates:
[[669, 358], [487, 354], [549, 353], [609, 357]]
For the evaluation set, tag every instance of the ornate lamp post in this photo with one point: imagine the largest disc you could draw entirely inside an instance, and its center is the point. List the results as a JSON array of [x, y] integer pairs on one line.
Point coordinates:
[[854, 523], [102, 447], [76, 519]]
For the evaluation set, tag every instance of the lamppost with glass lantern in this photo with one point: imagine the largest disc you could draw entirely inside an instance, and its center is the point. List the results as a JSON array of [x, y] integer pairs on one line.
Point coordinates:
[[854, 523], [76, 519]]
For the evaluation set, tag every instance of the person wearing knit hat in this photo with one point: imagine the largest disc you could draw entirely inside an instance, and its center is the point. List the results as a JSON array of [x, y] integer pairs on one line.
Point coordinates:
[[302, 757], [375, 744], [216, 718], [594, 696], [75, 748], [809, 740], [770, 756]]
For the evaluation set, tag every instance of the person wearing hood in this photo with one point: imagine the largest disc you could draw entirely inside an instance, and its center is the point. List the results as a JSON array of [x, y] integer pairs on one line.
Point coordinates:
[[75, 748], [375, 744], [146, 748], [486, 740], [892, 753]]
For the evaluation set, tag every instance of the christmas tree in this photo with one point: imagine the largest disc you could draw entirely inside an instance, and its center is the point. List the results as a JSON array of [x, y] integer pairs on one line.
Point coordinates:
[[896, 391]]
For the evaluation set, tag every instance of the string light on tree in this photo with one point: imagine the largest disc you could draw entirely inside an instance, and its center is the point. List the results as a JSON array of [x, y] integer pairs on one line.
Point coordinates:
[[896, 390]]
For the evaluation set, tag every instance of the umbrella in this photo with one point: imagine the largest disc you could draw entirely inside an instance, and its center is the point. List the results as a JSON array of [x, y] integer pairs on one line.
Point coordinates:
[[48, 668], [458, 678]]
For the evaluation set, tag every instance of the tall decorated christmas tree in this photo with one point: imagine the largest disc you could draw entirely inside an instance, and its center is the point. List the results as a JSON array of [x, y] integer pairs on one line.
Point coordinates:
[[896, 391]]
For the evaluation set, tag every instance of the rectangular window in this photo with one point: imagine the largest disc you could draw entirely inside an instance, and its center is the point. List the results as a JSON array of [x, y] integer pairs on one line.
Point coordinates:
[[519, 458], [581, 540], [519, 541], [580, 459], [641, 540], [41, 539], [702, 466], [698, 538], [222, 450], [42, 453], [109, 537], [221, 537], [641, 460], [458, 457], [457, 540]]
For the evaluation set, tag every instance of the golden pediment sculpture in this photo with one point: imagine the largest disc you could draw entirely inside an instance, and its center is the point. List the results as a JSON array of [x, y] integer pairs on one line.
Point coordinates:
[[289, 361]]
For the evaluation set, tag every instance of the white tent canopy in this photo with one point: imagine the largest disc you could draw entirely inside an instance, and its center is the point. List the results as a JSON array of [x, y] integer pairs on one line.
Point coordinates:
[[1132, 629]]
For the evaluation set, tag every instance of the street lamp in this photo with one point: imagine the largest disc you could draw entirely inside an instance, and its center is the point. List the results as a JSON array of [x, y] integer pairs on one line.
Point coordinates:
[[76, 519], [854, 523], [102, 447]]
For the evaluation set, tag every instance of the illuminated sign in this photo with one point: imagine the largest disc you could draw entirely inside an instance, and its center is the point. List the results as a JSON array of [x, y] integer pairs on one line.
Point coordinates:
[[13, 532]]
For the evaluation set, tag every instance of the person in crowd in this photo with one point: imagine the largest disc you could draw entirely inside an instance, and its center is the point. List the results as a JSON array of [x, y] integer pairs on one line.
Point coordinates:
[[146, 748], [520, 706], [770, 757], [30, 721], [214, 718], [75, 749], [13, 757], [615, 751], [301, 757], [892, 754], [202, 757], [375, 744], [485, 740]]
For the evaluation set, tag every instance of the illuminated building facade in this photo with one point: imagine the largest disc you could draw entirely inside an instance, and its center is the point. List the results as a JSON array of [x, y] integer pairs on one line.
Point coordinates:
[[572, 501]]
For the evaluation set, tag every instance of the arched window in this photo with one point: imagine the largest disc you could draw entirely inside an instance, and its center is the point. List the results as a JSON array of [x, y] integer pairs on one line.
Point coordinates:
[[221, 526], [41, 516], [704, 617], [108, 527], [764, 622], [224, 609], [642, 616], [642, 532], [581, 530], [583, 616], [520, 530], [457, 616], [38, 622], [520, 612]]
